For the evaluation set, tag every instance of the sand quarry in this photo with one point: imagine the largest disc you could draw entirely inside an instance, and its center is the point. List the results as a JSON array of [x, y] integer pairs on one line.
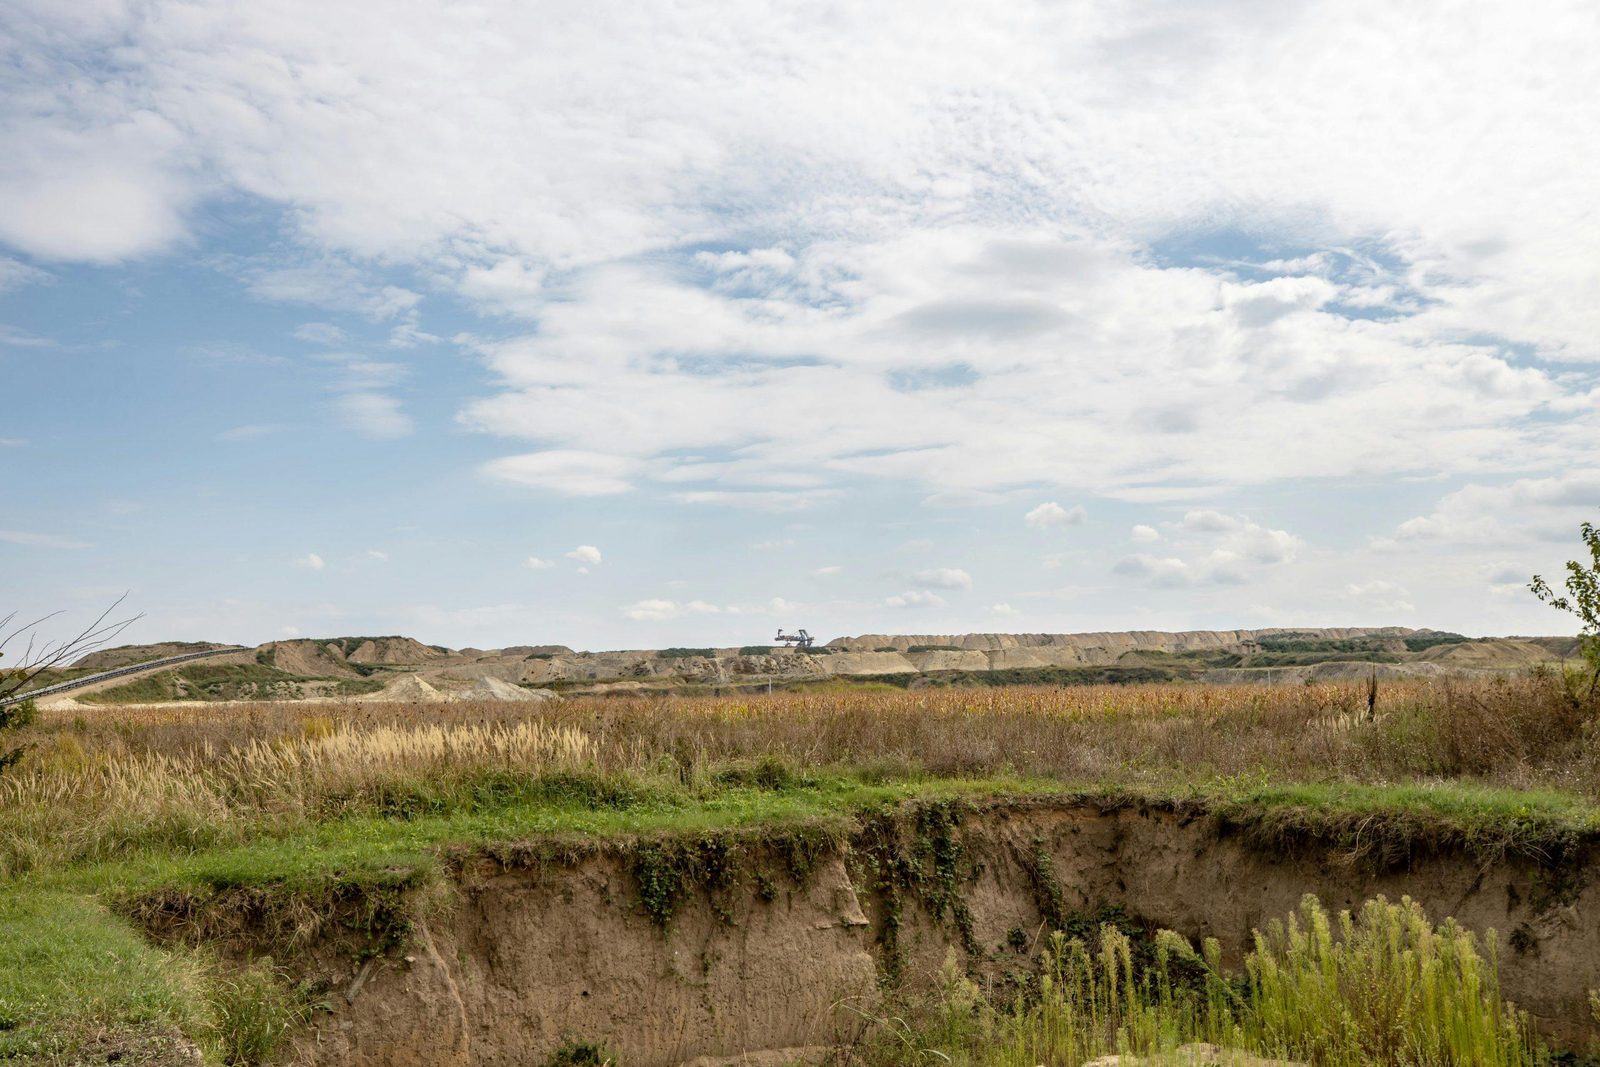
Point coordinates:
[[401, 669]]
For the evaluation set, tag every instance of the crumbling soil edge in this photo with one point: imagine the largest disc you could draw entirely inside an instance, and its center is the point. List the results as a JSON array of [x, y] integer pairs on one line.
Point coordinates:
[[666, 948]]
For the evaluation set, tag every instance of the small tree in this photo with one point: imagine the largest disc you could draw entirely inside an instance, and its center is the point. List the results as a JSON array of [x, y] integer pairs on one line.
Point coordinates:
[[16, 711], [1582, 600]]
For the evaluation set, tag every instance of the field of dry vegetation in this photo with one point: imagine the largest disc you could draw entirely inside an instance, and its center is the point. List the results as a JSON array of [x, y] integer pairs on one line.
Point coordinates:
[[125, 800], [100, 785]]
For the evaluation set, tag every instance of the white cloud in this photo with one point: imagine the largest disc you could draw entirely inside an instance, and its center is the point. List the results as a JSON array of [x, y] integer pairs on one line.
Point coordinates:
[[969, 258], [1216, 548], [915, 598], [1380, 596], [11, 337], [15, 274], [311, 562], [100, 190], [943, 578], [1239, 538], [1145, 534], [375, 415], [651, 610], [1053, 514], [321, 333], [377, 555], [1165, 572], [975, 288], [764, 500], [585, 554], [1004, 610], [13, 442], [328, 282], [534, 563], [823, 572], [1513, 512], [573, 473], [660, 610], [39, 540]]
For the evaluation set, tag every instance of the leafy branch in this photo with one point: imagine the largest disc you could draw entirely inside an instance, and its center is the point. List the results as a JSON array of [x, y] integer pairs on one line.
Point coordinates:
[[1582, 599]]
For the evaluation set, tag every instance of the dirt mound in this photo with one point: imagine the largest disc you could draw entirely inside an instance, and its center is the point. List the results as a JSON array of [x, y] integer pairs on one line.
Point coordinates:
[[389, 651], [866, 663], [309, 659], [491, 688], [410, 690], [1503, 652]]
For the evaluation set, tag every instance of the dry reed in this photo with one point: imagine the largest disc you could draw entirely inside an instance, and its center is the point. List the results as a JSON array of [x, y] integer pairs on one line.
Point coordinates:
[[100, 783]]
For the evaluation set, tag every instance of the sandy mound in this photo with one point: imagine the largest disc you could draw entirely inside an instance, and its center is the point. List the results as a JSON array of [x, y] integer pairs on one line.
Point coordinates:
[[866, 663], [394, 651], [1503, 652], [410, 690], [310, 659], [949, 661], [490, 688]]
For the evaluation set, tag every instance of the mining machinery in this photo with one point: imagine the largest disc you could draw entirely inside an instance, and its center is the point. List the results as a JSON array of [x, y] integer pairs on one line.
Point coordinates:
[[798, 639]]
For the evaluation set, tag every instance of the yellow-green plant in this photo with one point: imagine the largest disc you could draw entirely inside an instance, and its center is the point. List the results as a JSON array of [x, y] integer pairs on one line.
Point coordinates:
[[1382, 986], [1387, 988]]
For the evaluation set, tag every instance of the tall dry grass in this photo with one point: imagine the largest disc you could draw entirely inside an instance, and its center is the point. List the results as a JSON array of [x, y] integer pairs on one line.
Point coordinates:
[[99, 783], [104, 799]]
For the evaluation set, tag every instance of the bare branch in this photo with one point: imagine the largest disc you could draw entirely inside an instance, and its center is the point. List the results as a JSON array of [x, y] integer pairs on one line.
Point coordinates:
[[37, 658]]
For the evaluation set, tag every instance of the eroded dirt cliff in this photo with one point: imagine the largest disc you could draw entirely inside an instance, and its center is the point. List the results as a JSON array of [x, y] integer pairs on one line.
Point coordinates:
[[670, 951]]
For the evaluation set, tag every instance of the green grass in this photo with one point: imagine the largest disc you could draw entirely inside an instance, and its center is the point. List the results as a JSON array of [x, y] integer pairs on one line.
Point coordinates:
[[1493, 821], [68, 966]]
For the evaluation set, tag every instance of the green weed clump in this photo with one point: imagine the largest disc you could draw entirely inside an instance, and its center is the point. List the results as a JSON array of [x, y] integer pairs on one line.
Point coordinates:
[[254, 1010], [1383, 986], [1389, 988]]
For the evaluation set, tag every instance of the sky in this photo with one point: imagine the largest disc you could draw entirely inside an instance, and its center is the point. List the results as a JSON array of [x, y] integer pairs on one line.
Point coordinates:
[[634, 325]]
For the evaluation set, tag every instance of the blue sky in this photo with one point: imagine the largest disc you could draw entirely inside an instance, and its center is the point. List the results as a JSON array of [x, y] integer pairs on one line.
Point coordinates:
[[620, 326]]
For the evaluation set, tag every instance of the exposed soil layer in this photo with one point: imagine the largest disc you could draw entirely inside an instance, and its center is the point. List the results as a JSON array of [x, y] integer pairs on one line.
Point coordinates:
[[676, 951]]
